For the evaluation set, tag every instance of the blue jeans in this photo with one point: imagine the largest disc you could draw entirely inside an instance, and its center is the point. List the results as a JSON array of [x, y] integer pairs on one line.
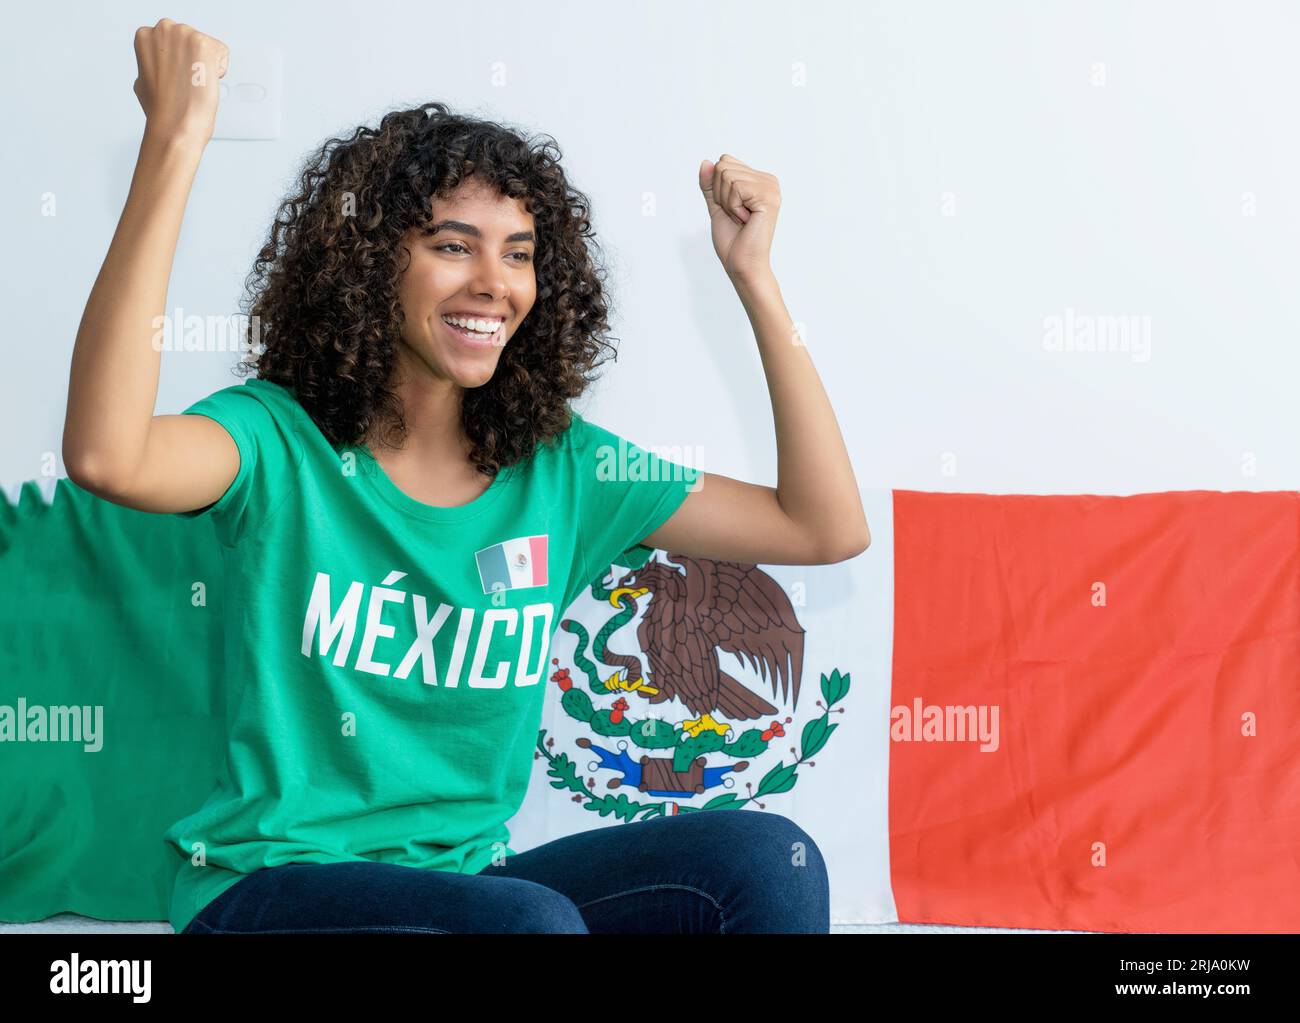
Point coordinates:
[[712, 872]]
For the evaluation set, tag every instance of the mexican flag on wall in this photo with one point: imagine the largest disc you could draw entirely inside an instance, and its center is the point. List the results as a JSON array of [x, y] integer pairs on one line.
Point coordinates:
[[1062, 712]]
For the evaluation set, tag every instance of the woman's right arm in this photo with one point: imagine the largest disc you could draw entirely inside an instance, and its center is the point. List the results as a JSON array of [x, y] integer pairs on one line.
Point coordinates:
[[113, 444]]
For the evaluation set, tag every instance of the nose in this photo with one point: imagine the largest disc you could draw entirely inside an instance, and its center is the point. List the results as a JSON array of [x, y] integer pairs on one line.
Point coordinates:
[[489, 282]]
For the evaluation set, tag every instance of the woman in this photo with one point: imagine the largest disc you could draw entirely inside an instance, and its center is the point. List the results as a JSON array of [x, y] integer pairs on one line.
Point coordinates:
[[405, 500]]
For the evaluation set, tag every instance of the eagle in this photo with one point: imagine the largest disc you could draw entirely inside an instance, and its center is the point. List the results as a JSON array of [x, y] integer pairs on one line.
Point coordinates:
[[697, 607]]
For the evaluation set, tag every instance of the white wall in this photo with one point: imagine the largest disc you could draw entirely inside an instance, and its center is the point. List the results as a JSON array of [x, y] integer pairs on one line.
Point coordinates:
[[953, 174]]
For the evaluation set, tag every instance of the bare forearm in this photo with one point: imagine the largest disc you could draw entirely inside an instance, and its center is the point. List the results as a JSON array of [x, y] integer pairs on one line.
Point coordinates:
[[113, 385], [816, 486]]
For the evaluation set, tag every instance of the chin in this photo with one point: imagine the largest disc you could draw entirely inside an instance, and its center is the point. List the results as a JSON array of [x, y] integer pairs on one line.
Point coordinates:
[[474, 376], [472, 383], [462, 369]]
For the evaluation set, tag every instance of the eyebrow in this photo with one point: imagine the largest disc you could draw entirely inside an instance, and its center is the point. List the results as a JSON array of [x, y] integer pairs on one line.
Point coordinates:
[[469, 229]]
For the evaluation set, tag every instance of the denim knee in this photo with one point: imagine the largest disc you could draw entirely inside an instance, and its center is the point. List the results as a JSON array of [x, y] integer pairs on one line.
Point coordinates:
[[535, 909], [780, 837], [783, 859]]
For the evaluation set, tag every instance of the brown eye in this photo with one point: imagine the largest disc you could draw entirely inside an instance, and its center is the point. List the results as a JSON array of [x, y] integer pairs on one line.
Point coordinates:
[[527, 257]]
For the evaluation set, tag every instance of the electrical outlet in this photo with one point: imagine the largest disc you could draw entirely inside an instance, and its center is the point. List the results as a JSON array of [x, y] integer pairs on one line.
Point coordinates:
[[251, 90]]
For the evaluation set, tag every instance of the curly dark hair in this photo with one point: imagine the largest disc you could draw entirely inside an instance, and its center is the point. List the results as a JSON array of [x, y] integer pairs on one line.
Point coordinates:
[[323, 290]]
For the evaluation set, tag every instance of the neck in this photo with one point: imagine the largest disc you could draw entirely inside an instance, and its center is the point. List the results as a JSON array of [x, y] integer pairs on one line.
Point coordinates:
[[431, 406]]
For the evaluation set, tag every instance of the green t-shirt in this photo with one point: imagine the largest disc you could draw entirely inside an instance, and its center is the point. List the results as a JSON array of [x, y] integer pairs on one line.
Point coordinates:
[[386, 660]]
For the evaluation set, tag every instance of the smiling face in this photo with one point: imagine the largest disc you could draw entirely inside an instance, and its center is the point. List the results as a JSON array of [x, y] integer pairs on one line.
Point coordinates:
[[475, 263]]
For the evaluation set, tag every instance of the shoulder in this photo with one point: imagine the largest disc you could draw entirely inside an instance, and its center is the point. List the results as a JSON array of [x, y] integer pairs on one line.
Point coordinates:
[[250, 397], [584, 445], [575, 453], [258, 413], [600, 452], [585, 437], [567, 441]]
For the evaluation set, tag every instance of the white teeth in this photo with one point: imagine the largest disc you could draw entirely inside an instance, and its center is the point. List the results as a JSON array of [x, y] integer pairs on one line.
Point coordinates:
[[485, 327]]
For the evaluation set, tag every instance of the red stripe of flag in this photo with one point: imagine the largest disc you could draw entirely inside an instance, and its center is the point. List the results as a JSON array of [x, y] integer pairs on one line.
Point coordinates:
[[537, 555], [1127, 792]]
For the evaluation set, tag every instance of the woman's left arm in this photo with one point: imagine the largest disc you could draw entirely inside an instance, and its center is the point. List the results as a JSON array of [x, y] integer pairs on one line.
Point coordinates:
[[814, 514]]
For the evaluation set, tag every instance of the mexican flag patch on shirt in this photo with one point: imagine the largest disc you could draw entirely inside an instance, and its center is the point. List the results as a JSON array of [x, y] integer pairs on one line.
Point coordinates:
[[514, 565]]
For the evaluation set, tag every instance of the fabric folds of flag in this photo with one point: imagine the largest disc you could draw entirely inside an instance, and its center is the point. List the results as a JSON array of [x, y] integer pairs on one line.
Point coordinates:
[[1140, 658]]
